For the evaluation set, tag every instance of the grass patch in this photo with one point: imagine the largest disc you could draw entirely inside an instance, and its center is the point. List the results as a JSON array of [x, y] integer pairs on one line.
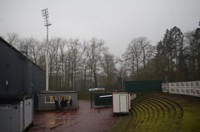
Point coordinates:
[[122, 124], [189, 121], [191, 118]]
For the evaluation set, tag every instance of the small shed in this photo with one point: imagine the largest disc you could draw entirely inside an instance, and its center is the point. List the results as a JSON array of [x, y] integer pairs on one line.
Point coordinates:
[[46, 99], [101, 99], [121, 102]]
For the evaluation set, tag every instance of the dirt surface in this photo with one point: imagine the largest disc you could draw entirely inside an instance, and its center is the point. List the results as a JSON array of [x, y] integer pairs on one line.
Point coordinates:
[[85, 119]]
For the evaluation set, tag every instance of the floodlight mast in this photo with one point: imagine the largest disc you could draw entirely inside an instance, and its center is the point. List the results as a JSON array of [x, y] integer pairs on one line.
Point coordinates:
[[45, 14]]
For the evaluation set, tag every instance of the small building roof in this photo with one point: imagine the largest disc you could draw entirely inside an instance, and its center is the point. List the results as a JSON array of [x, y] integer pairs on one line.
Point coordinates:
[[55, 92]]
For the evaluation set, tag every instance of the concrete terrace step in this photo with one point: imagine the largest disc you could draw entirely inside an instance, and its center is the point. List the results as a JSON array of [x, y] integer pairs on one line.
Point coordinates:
[[156, 113]]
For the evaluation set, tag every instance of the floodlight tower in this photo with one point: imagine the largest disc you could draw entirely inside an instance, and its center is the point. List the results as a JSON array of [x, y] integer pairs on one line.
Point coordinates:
[[45, 14]]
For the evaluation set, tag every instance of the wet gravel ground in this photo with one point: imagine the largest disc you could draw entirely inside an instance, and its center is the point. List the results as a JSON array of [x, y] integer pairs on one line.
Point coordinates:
[[85, 119]]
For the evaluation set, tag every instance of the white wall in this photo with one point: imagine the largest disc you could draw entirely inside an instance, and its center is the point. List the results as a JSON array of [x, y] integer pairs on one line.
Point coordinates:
[[191, 88]]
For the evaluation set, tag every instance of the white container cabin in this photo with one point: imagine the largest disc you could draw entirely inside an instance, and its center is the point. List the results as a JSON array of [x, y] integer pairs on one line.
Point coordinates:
[[121, 102], [16, 113]]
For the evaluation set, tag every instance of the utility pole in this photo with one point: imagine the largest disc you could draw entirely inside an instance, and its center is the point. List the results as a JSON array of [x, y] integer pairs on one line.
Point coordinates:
[[45, 14]]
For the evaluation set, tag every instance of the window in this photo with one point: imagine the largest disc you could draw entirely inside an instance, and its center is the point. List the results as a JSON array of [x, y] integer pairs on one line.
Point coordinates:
[[50, 99], [65, 97]]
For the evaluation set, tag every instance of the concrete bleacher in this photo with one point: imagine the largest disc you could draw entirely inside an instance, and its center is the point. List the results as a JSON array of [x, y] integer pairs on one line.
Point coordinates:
[[155, 113]]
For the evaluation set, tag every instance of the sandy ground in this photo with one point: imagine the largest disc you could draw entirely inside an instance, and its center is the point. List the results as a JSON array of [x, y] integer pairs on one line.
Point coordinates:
[[85, 119]]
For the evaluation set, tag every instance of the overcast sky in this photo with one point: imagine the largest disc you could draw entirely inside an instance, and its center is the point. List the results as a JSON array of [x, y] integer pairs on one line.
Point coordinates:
[[117, 22]]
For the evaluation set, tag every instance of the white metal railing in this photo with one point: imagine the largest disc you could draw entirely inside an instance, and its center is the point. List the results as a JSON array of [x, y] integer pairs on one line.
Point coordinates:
[[186, 88]]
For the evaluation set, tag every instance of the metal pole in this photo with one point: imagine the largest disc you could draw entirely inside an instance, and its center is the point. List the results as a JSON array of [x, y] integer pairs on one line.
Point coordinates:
[[47, 62], [122, 80], [47, 24], [122, 73], [122, 77]]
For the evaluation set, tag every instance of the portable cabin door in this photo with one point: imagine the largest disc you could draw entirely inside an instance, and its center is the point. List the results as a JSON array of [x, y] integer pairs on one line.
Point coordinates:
[[123, 103], [28, 112], [116, 103]]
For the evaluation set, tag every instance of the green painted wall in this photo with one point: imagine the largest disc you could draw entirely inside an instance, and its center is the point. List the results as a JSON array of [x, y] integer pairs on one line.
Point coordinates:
[[143, 86]]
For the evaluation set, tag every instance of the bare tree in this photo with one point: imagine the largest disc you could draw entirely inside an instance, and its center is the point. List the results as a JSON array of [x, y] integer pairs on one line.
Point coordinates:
[[108, 63], [137, 56], [54, 64], [74, 55], [63, 49], [34, 49], [12, 39], [132, 57], [94, 52], [147, 51]]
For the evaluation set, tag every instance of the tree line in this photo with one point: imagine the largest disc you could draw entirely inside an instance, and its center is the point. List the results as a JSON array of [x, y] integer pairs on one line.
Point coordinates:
[[78, 65], [175, 58], [73, 64]]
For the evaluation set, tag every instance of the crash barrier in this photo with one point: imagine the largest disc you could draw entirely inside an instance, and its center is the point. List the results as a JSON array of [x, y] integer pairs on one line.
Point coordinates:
[[186, 88]]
